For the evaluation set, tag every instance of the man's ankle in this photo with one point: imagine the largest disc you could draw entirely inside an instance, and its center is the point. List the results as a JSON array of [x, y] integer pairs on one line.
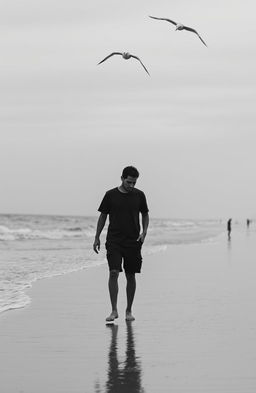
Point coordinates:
[[129, 316]]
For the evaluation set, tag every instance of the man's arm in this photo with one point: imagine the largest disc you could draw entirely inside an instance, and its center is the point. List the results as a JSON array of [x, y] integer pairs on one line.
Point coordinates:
[[100, 226], [145, 222]]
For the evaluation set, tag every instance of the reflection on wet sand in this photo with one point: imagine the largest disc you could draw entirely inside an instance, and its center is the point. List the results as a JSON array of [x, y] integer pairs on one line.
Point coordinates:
[[123, 376], [229, 244]]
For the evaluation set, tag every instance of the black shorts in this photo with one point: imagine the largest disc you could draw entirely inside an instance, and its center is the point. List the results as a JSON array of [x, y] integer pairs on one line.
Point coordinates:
[[129, 256]]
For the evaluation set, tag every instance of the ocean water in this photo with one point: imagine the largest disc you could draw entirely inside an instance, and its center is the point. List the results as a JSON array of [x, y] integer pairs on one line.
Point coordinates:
[[33, 247]]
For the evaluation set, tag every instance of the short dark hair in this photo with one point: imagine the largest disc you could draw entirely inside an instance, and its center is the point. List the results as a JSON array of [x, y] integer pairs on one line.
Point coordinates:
[[130, 171]]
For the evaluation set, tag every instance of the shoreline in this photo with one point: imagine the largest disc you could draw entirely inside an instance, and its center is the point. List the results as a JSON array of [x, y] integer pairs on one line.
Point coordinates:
[[194, 327], [150, 249]]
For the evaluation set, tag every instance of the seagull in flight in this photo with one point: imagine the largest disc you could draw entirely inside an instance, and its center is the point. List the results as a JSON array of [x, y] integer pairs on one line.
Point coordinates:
[[180, 26], [126, 56]]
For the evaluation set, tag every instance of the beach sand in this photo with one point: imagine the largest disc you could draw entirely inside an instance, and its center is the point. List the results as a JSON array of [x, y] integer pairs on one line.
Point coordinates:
[[195, 327]]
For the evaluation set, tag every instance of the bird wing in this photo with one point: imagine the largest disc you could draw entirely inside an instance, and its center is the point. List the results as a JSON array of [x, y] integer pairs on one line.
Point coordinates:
[[194, 31], [168, 20], [136, 57], [112, 54]]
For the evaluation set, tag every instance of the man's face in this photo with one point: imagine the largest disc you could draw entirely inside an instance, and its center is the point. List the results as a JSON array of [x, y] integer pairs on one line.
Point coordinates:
[[129, 183]]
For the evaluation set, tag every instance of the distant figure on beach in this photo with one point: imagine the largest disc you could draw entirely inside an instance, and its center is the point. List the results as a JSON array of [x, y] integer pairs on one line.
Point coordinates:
[[229, 228], [248, 222], [123, 204]]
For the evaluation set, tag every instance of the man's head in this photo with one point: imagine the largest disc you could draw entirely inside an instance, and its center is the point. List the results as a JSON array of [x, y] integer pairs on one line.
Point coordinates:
[[129, 177], [130, 171]]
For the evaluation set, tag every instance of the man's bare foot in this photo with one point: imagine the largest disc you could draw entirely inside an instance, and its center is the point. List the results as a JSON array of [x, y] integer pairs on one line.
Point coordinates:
[[112, 316], [129, 316]]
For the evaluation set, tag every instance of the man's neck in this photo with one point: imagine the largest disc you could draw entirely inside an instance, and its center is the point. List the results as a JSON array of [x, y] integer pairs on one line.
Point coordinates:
[[122, 189]]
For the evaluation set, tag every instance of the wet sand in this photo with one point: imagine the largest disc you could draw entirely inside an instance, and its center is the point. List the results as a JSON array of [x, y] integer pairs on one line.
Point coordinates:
[[195, 327]]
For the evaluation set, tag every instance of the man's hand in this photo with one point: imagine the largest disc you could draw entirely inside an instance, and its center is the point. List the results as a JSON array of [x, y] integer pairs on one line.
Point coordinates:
[[96, 245], [141, 237]]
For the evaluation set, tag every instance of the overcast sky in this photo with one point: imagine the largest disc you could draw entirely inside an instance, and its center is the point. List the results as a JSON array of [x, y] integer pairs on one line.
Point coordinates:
[[68, 126]]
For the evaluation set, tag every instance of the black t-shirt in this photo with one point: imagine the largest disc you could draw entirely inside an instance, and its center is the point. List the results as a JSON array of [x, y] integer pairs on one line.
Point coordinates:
[[123, 210]]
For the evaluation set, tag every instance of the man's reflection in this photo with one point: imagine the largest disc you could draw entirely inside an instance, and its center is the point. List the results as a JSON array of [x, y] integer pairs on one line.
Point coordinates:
[[123, 377]]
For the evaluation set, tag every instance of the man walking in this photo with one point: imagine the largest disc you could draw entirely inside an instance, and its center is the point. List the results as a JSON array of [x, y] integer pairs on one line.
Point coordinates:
[[123, 204], [229, 228]]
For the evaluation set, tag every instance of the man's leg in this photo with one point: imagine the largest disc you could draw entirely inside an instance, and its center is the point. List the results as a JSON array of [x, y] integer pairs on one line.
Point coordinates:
[[113, 292], [130, 292]]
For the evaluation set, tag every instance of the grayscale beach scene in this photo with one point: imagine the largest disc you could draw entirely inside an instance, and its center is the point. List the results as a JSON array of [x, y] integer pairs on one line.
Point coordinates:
[[127, 202]]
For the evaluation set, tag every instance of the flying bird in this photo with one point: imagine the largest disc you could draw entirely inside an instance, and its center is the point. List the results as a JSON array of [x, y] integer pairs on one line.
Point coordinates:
[[180, 26], [125, 56]]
